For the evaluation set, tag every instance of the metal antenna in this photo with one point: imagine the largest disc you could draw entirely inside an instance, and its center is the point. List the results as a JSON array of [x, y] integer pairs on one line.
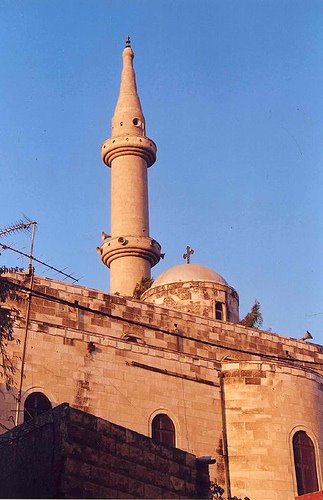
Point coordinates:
[[24, 224], [30, 265], [31, 275], [21, 225], [31, 258]]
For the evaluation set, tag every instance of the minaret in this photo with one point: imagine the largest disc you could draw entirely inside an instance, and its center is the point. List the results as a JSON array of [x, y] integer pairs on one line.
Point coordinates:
[[129, 252]]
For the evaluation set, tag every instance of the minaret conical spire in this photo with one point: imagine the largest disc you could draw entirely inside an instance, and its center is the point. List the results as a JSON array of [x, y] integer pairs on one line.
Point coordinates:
[[129, 252], [128, 111]]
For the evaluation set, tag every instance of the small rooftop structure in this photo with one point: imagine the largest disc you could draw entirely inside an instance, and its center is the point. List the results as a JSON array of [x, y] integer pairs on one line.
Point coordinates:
[[195, 289]]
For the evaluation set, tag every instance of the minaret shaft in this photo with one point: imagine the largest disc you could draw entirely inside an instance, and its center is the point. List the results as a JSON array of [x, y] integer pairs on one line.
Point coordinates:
[[129, 197], [129, 252], [126, 272]]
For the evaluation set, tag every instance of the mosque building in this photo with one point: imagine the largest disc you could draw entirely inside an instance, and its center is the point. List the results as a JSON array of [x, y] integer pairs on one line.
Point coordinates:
[[167, 358]]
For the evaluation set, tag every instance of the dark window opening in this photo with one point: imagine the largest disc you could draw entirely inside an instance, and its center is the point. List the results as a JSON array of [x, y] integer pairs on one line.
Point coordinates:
[[132, 337], [218, 310], [305, 463], [163, 430], [35, 404]]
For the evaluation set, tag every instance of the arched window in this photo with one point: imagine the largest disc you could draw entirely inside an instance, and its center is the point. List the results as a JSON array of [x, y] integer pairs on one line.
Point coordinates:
[[305, 463], [35, 404], [163, 430], [218, 310]]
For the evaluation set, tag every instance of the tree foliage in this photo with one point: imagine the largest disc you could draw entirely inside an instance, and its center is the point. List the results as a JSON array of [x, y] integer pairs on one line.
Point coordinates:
[[254, 317], [8, 316], [141, 287], [216, 493]]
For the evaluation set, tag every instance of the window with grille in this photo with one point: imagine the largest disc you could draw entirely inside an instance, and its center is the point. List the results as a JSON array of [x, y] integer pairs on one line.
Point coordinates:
[[305, 463], [35, 404], [163, 430]]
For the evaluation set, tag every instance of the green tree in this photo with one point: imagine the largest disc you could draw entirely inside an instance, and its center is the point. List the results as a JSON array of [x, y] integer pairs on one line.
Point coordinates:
[[141, 287], [8, 317], [216, 493], [254, 317]]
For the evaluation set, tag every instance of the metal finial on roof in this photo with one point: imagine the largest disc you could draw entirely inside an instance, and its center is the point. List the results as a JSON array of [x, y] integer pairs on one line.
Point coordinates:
[[128, 42]]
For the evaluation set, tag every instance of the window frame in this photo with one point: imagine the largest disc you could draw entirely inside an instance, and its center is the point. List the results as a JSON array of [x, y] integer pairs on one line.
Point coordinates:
[[168, 432], [29, 396], [222, 305], [179, 441], [314, 440]]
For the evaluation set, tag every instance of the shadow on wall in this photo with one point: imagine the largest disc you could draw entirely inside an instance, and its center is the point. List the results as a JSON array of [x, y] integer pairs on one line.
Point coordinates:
[[67, 453]]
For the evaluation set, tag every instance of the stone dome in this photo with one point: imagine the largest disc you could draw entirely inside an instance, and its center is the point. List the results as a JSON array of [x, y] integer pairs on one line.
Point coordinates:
[[195, 289], [188, 272]]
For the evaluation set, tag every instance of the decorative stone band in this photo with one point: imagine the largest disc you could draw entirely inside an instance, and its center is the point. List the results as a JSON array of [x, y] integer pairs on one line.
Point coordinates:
[[128, 145], [129, 246], [209, 289]]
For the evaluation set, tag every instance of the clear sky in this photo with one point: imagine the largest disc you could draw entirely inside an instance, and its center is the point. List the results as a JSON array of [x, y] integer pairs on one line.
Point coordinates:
[[232, 92]]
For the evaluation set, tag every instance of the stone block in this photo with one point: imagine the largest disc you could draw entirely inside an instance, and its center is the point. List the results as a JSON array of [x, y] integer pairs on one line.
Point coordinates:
[[118, 433], [185, 473], [90, 438], [78, 468], [170, 495], [152, 491], [189, 490], [136, 488], [90, 490], [122, 450], [107, 444], [162, 480], [100, 476], [119, 482], [149, 459], [84, 420], [72, 487], [179, 456], [122, 466], [161, 464], [178, 484], [253, 381], [107, 492]]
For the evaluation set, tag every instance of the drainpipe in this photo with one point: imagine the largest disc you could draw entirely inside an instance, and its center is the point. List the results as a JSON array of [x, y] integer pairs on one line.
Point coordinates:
[[225, 437]]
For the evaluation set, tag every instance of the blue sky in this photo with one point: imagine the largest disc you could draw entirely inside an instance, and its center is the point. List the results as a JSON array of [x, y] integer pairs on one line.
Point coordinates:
[[232, 95]]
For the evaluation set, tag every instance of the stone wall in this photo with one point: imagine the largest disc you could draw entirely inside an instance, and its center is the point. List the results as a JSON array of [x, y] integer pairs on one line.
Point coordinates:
[[66, 453], [265, 405], [123, 381], [126, 361], [89, 311]]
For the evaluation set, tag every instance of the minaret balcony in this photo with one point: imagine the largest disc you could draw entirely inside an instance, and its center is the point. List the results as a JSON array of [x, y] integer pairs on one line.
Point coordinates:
[[130, 246], [128, 145]]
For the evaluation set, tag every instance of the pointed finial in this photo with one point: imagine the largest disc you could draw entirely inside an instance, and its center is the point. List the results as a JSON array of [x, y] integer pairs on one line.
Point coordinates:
[[128, 42]]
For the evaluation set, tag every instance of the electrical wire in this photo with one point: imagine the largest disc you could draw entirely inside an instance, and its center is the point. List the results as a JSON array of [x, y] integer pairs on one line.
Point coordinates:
[[52, 298], [7, 247]]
